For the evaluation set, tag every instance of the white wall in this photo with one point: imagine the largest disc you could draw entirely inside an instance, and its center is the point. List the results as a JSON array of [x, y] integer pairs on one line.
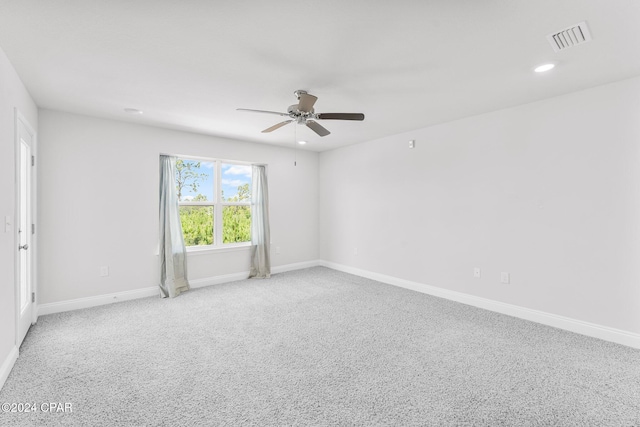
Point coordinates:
[[549, 192], [12, 95], [99, 204]]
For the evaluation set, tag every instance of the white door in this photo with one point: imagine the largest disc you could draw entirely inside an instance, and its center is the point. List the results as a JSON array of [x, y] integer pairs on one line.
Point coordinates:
[[24, 227]]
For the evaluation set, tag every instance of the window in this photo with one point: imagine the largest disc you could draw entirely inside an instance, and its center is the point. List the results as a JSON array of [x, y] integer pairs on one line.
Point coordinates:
[[214, 198]]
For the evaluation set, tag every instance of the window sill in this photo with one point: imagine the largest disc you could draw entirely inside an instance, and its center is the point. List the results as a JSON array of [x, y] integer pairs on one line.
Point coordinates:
[[207, 250]]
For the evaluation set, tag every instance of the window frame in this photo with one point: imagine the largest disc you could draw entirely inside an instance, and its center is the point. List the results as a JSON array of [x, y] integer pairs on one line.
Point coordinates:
[[218, 205]]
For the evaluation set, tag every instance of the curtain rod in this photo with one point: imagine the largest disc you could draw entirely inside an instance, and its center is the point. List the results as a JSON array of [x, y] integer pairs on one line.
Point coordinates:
[[188, 156]]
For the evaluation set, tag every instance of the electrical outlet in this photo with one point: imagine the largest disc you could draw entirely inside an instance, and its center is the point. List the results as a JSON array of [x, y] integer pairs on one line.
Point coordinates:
[[505, 277], [476, 272], [104, 271]]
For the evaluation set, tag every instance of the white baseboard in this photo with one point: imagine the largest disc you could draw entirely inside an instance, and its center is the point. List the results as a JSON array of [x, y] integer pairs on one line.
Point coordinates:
[[216, 280], [7, 365], [295, 266], [226, 278], [578, 326], [79, 303]]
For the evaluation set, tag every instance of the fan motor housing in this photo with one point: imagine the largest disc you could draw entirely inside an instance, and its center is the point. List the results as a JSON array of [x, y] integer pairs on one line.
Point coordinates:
[[293, 110]]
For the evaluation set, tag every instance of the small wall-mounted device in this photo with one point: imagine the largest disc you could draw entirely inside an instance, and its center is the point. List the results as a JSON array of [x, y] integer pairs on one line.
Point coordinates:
[[412, 143]]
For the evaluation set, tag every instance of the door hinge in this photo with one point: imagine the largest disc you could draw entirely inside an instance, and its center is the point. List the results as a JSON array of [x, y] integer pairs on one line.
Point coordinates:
[[33, 297], [33, 229], [33, 160]]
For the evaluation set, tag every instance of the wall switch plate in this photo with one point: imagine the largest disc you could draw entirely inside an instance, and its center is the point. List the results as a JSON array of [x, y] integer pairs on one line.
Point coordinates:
[[412, 143], [476, 272], [104, 271], [7, 223], [504, 277], [355, 251]]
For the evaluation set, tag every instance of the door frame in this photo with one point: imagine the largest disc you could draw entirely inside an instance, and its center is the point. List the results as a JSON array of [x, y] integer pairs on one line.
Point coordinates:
[[21, 119]]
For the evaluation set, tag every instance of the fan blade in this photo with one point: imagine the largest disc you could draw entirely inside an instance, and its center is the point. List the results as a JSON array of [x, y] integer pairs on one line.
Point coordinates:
[[262, 111], [306, 102], [340, 116], [278, 126], [317, 128]]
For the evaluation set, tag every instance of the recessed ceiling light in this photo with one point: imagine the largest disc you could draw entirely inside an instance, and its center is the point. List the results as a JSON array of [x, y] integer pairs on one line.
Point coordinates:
[[302, 142], [132, 111], [544, 67]]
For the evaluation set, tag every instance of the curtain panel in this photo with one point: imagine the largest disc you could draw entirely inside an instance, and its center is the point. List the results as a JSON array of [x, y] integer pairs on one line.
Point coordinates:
[[173, 256], [260, 236]]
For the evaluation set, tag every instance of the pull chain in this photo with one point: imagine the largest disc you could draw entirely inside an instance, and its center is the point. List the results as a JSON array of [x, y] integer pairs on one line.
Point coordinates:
[[295, 144]]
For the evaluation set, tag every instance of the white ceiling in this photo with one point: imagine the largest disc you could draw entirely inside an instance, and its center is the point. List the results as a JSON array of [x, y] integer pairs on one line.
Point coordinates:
[[405, 64]]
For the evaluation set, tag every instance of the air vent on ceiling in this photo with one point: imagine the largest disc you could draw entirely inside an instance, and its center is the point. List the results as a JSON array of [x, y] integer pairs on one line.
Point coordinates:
[[569, 37]]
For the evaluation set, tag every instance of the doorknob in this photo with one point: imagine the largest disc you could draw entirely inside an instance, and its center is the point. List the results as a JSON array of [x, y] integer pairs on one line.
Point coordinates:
[[25, 247]]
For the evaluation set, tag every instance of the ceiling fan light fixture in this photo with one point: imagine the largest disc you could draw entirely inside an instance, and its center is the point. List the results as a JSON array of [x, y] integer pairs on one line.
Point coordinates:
[[303, 113], [544, 67]]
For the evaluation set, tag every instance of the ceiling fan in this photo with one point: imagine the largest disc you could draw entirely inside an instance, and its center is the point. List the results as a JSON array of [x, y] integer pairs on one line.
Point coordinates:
[[304, 114]]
